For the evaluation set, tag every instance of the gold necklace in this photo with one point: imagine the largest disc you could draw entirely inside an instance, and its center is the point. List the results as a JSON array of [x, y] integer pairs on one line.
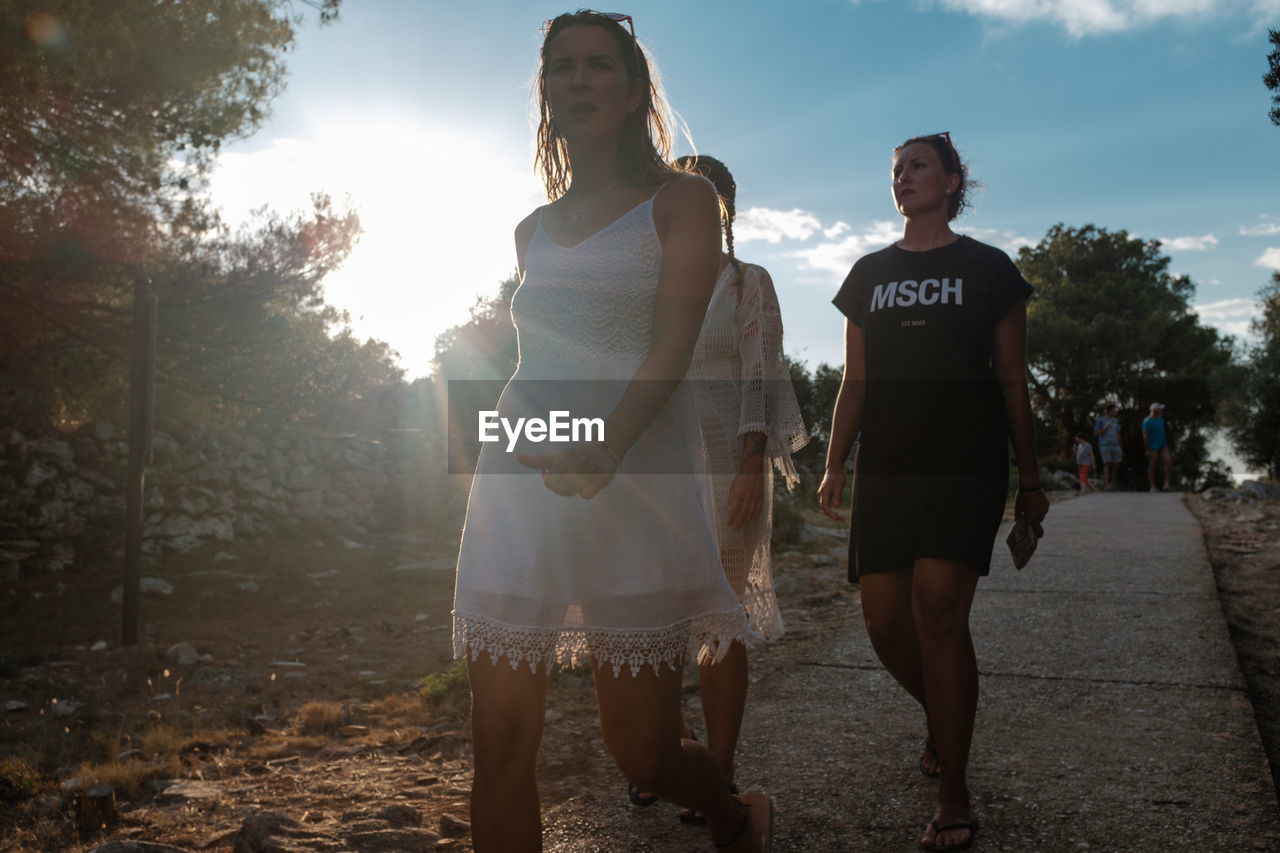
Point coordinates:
[[576, 216]]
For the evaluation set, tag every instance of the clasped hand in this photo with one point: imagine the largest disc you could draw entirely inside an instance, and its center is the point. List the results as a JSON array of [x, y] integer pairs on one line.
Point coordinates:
[[583, 471]]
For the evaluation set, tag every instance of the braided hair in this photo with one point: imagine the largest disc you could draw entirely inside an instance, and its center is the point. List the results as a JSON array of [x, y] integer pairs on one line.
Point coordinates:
[[727, 188]]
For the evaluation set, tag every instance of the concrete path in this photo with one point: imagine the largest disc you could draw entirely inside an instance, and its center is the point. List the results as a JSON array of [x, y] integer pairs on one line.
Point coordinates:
[[1113, 714]]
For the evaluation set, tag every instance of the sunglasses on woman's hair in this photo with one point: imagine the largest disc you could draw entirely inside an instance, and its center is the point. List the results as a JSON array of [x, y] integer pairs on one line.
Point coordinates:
[[945, 136], [617, 17]]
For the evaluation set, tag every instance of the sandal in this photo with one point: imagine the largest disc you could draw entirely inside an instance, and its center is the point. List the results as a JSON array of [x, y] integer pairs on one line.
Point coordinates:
[[933, 753], [971, 825], [757, 822], [640, 798]]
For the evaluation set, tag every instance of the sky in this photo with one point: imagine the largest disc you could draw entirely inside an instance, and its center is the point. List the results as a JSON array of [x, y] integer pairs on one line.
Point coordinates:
[[1143, 115]]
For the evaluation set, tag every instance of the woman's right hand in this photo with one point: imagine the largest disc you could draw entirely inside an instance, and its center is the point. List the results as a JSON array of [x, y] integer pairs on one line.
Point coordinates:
[[829, 492], [583, 471]]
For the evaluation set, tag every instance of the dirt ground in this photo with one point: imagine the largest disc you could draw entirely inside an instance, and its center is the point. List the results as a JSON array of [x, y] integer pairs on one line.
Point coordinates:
[[1243, 540], [304, 724]]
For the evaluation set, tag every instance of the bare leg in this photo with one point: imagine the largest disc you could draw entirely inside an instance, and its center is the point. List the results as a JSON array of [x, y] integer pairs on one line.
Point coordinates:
[[507, 710], [641, 721], [1151, 468], [888, 613], [942, 596], [1168, 467], [723, 686]]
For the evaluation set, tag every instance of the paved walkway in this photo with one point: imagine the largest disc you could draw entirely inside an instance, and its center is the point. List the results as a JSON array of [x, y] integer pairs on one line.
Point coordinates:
[[1113, 714]]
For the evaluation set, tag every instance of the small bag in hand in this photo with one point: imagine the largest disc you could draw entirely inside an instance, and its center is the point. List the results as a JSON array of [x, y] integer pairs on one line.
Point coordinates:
[[1022, 542]]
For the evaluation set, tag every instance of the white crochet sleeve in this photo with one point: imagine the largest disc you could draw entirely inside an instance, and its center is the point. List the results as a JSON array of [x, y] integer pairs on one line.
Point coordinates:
[[768, 399]]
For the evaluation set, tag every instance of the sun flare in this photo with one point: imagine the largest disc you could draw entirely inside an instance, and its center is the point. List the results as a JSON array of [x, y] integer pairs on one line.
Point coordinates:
[[437, 207]]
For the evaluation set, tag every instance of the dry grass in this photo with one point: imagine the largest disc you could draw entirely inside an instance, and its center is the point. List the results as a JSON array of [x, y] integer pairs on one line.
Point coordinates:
[[286, 746], [318, 717], [401, 709], [162, 746], [127, 777]]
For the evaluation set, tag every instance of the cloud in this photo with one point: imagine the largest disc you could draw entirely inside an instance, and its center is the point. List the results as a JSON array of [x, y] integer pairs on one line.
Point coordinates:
[[838, 255], [836, 230], [773, 226], [1262, 229], [1269, 258], [1230, 316], [1010, 241], [1189, 244], [1098, 17]]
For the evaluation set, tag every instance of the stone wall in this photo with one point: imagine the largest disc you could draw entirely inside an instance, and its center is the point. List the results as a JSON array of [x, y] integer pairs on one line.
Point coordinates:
[[62, 495]]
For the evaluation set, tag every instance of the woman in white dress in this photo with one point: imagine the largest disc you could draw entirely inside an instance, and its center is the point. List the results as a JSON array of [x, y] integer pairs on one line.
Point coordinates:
[[617, 272], [750, 424]]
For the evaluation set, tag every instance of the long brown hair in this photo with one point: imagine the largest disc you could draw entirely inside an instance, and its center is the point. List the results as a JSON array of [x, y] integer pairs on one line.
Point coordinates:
[[646, 135]]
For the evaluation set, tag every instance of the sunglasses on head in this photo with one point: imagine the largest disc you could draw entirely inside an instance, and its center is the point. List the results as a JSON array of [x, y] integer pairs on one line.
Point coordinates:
[[617, 17], [945, 136]]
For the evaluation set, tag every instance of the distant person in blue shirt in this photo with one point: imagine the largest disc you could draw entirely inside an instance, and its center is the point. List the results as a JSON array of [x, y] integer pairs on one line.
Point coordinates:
[[1107, 431], [1157, 445]]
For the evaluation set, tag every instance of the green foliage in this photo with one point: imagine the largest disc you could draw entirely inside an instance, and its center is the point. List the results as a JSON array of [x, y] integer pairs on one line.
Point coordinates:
[[246, 338], [484, 347], [113, 116], [788, 521], [109, 119], [1216, 474], [1272, 78], [816, 395], [1254, 420], [1108, 322], [450, 684], [18, 779]]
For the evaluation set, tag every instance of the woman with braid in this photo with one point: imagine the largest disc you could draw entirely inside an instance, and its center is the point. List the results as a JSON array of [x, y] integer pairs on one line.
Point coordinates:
[[750, 424]]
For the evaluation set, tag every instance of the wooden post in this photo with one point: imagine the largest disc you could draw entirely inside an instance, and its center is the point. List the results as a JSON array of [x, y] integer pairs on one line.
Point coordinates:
[[141, 411]]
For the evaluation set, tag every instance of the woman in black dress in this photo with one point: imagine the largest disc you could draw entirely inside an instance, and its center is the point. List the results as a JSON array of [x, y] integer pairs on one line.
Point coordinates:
[[934, 388]]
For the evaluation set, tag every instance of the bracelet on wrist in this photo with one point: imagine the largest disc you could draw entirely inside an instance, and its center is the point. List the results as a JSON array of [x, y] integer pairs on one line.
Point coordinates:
[[613, 454]]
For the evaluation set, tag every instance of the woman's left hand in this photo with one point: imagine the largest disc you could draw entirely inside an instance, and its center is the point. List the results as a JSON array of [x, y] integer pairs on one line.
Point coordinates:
[[583, 471], [746, 495], [1033, 506]]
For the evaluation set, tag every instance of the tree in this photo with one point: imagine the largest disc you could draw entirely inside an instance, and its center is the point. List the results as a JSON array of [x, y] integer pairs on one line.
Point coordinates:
[[1109, 322], [111, 116], [473, 361], [1255, 425], [1272, 77], [816, 396]]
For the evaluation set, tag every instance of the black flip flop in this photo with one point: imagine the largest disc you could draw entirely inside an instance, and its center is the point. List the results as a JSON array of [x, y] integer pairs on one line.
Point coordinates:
[[972, 826]]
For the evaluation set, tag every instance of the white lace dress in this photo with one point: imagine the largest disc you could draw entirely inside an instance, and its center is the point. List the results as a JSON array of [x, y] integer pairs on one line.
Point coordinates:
[[743, 386], [631, 577]]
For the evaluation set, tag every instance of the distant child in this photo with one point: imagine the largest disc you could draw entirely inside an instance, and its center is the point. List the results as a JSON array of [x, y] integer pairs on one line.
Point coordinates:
[[1084, 459]]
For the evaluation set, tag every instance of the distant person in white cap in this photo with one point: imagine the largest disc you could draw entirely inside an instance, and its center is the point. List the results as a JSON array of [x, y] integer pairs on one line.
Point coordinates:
[[1157, 445]]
